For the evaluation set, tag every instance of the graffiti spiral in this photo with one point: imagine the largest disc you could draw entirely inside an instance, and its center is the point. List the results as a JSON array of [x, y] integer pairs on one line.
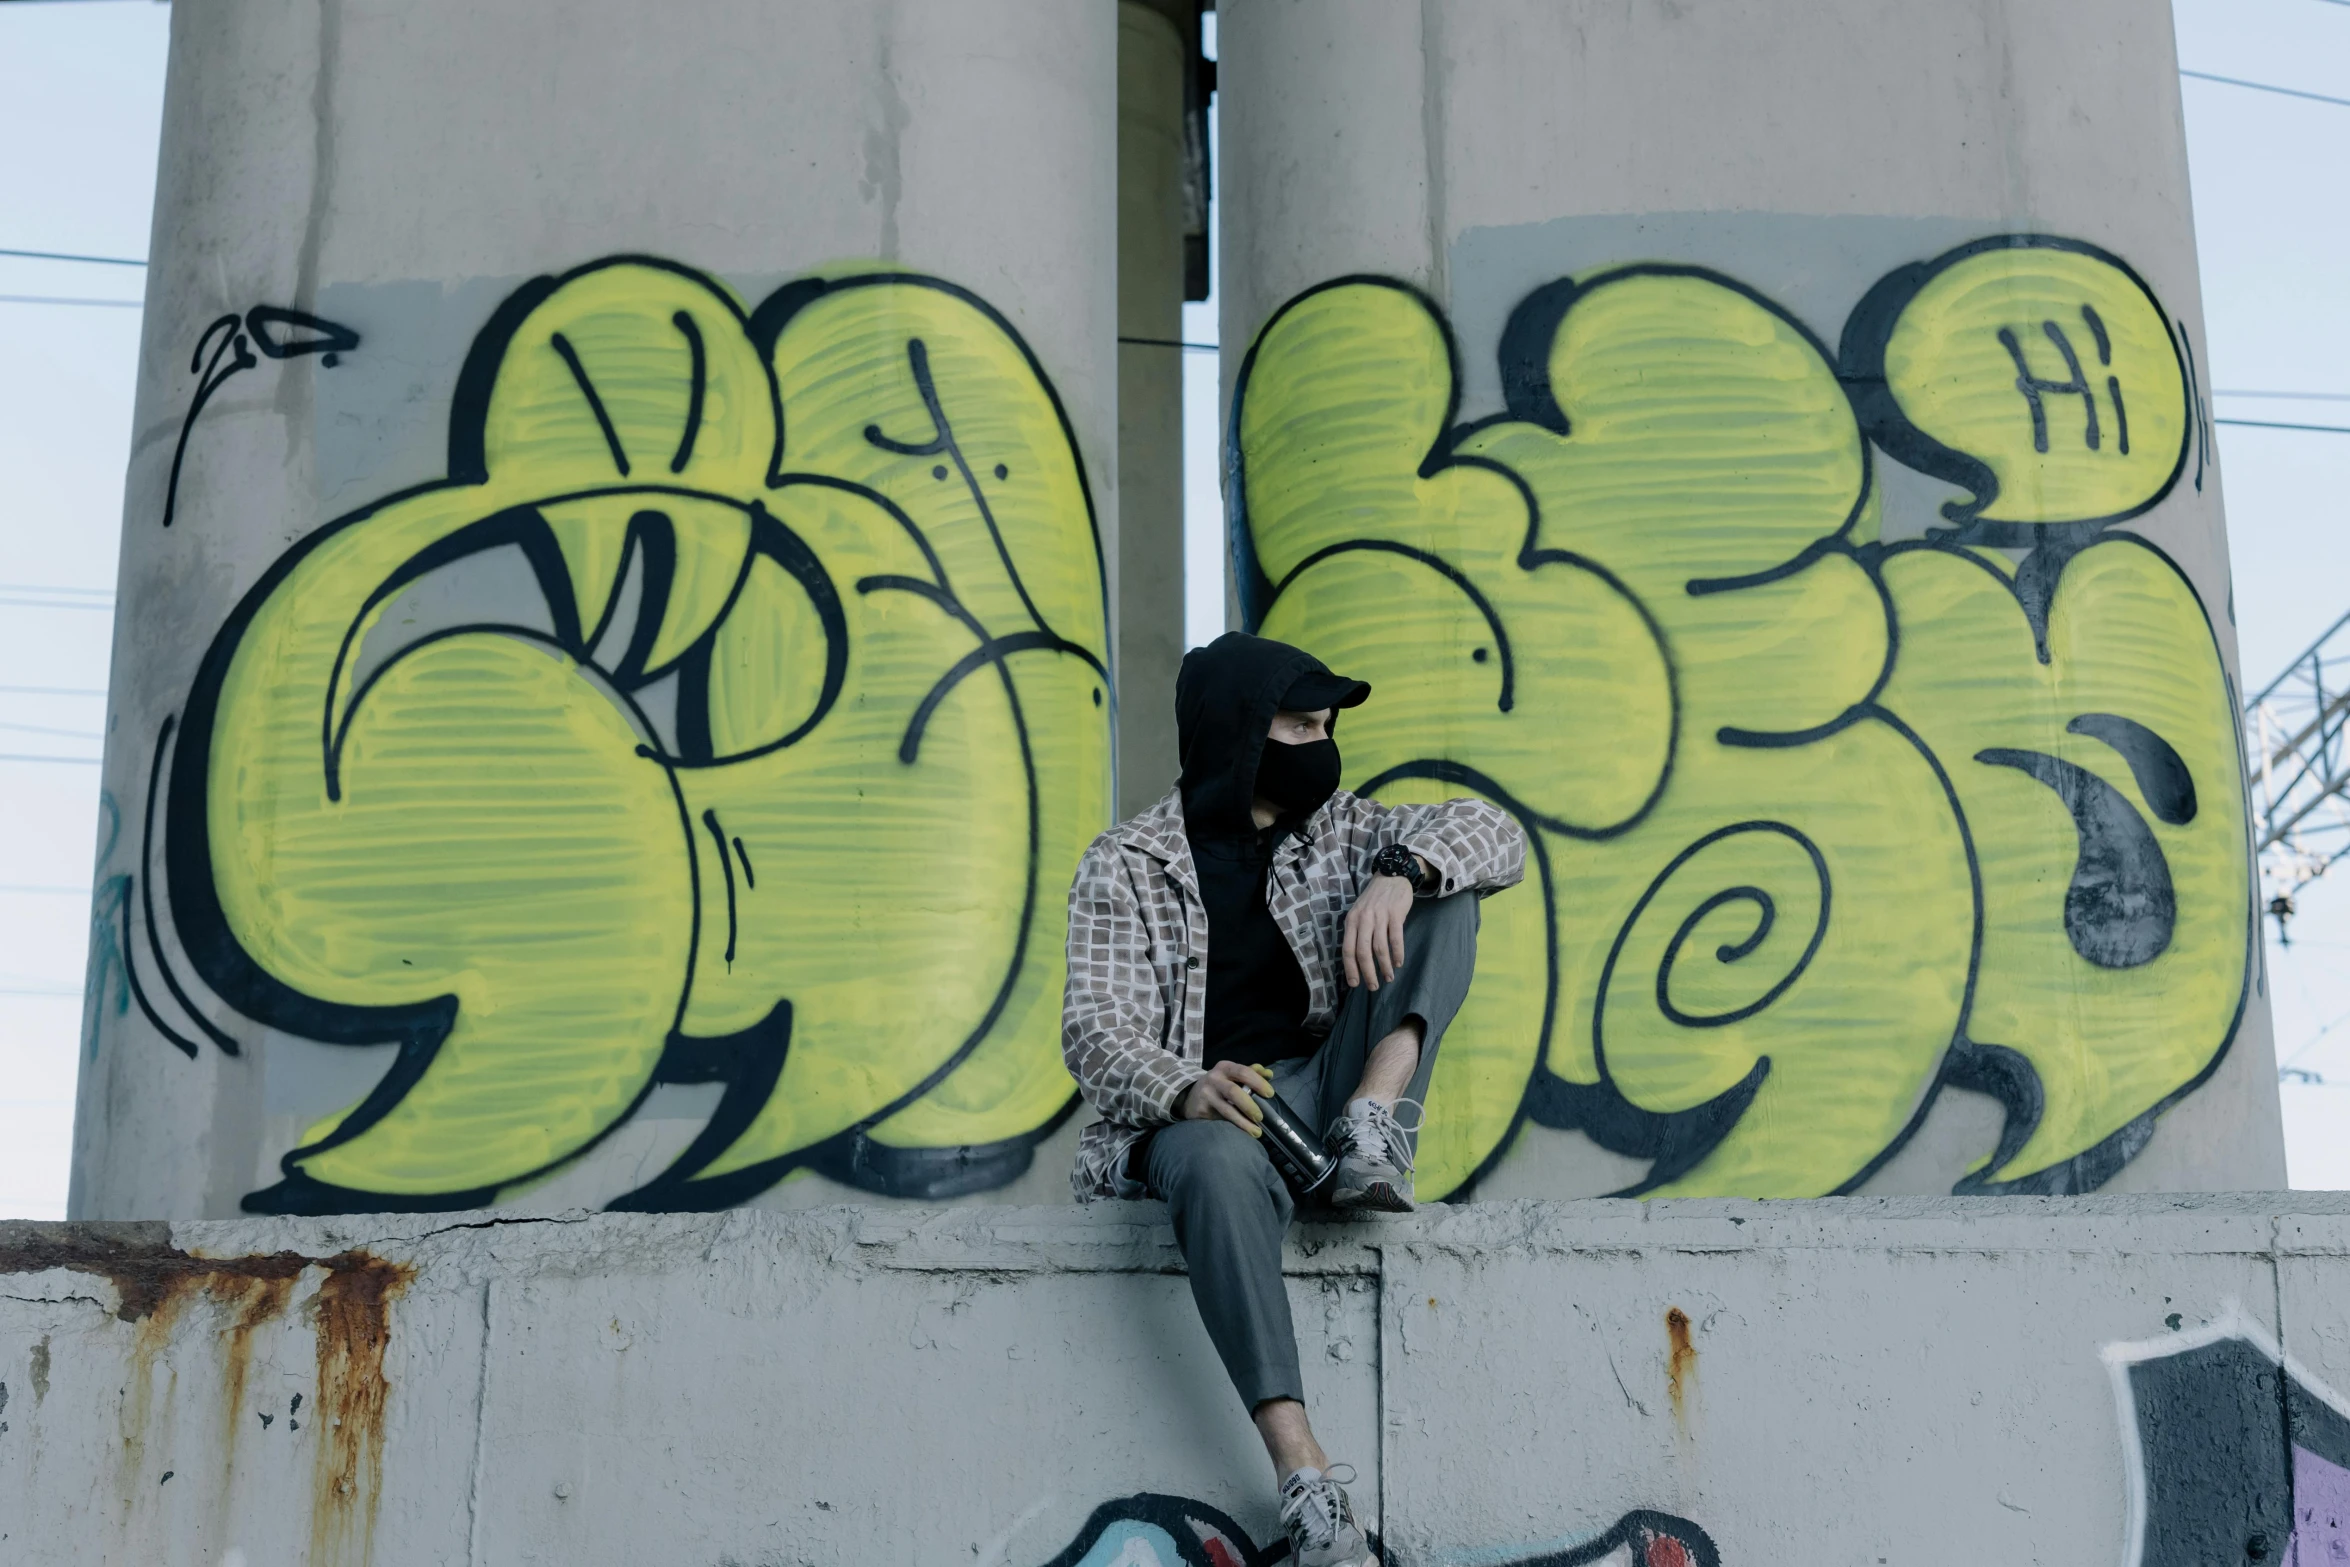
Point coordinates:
[[743, 664], [1822, 823]]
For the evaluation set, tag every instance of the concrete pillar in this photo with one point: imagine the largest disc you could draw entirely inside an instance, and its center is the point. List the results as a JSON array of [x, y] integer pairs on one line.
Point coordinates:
[[1154, 56], [617, 564], [1718, 461]]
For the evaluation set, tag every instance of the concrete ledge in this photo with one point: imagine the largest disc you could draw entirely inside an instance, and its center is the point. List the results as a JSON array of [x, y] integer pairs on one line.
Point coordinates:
[[1918, 1379]]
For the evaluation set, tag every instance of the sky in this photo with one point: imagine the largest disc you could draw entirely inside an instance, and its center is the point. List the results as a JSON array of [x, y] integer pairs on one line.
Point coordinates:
[[81, 85]]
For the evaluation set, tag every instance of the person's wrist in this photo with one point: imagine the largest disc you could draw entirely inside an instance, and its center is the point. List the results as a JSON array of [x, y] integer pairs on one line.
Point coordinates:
[[1406, 866], [1179, 1106]]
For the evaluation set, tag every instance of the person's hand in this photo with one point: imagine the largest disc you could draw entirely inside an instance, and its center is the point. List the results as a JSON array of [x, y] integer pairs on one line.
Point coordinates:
[[1373, 947], [1228, 1091]]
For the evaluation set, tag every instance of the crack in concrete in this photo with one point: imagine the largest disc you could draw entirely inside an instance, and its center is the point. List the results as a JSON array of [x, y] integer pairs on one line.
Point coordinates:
[[59, 1300]]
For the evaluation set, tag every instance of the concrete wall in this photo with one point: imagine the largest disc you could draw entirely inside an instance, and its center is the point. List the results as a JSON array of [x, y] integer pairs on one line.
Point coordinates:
[[1152, 62], [1660, 406], [1682, 1384], [575, 697]]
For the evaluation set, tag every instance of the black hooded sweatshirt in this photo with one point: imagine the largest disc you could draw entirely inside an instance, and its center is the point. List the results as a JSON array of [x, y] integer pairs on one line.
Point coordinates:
[[1225, 697]]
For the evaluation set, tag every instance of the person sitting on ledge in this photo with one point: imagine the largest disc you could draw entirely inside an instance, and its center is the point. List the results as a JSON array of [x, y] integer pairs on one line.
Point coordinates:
[[1208, 938]]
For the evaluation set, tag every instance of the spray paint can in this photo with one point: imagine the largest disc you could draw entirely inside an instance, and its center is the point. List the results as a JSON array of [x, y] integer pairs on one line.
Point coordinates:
[[1304, 1162]]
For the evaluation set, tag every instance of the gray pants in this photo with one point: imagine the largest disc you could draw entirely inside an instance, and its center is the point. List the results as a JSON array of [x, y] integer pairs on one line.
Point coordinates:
[[1231, 1207]]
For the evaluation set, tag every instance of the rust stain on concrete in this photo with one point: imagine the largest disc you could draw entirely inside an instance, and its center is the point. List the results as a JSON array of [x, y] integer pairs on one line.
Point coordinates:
[[149, 1274], [353, 1315], [1681, 1363], [249, 1302], [153, 1281], [135, 1405]]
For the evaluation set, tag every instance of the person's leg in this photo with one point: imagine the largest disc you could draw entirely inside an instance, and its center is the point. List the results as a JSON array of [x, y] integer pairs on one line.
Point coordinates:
[[1231, 1210], [1288, 1437], [1383, 1042], [1382, 1049]]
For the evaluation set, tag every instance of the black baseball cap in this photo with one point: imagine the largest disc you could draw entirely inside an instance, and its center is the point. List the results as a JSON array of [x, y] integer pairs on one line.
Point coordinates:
[[1319, 688]]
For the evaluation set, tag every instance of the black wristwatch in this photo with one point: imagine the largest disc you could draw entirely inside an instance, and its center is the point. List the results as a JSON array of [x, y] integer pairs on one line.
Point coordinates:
[[1396, 860]]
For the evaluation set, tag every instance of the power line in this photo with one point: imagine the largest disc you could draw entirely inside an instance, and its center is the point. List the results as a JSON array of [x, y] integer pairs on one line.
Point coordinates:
[[101, 690], [83, 761], [54, 299], [2296, 397], [2289, 92], [37, 890], [125, 261], [1209, 348], [2264, 424], [41, 729], [42, 595]]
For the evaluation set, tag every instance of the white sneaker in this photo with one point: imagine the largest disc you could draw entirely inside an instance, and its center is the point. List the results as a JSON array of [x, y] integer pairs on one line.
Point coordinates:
[[1374, 1158], [1321, 1522]]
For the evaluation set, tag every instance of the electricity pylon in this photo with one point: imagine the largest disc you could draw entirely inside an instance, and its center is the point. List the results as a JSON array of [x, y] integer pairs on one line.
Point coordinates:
[[2294, 742]]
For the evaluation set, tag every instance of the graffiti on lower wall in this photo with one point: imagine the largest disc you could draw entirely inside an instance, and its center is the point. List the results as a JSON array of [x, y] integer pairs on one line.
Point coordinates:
[[1151, 1530], [2233, 1452], [744, 665], [1821, 823]]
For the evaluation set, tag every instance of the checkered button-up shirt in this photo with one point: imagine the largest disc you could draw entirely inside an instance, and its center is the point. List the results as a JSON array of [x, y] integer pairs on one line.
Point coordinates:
[[1134, 1017]]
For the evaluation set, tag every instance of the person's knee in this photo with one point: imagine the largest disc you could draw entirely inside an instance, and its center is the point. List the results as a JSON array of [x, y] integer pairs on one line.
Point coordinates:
[[1211, 1161], [1456, 914]]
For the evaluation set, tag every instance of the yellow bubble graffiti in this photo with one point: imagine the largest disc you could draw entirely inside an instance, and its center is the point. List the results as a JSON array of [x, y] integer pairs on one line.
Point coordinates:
[[1822, 825], [736, 710], [2040, 373]]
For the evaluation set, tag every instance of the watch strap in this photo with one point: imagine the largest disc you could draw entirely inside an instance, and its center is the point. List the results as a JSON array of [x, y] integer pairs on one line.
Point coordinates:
[[1396, 860]]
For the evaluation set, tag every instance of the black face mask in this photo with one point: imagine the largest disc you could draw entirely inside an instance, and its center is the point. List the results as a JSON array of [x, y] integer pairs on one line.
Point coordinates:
[[1298, 778]]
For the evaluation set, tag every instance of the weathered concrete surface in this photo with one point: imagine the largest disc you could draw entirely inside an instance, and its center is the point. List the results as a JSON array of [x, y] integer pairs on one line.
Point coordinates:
[[1910, 1380]]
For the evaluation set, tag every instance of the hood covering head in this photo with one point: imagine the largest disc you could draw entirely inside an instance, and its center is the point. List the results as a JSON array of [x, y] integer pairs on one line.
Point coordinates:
[[1225, 697]]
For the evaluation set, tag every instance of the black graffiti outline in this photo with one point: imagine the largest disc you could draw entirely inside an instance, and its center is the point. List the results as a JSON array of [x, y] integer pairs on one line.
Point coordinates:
[[1181, 1519], [2211, 1418], [942, 441], [1641, 1529], [106, 958], [238, 336], [1998, 1070], [2036, 388], [112, 953], [1530, 1093], [1257, 592], [1676, 1140], [2116, 863], [853, 1155], [2205, 456], [1860, 366], [749, 1062]]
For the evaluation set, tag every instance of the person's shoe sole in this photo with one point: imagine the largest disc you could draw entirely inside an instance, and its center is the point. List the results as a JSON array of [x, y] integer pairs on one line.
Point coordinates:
[[1378, 1197]]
